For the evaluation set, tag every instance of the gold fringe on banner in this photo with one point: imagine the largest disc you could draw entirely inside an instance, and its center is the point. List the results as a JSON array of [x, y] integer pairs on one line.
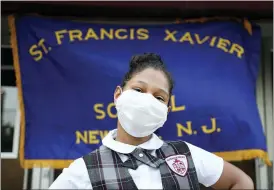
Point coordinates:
[[228, 156]]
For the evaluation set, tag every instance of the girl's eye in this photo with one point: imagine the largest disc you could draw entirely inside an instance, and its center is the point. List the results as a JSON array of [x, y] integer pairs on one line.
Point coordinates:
[[160, 98], [137, 89]]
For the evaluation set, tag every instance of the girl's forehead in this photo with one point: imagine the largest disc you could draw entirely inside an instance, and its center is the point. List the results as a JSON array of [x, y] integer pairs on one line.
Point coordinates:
[[152, 77], [151, 73]]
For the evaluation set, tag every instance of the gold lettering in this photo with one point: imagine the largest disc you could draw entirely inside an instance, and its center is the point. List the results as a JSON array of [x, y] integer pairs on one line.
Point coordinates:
[[93, 138], [170, 35], [35, 52], [187, 37], [104, 32], [238, 49], [173, 105], [75, 34], [101, 113], [41, 44], [199, 41], [80, 136], [142, 34], [213, 40], [187, 129], [213, 128], [111, 115], [91, 34], [121, 37], [222, 44], [59, 35], [131, 33]]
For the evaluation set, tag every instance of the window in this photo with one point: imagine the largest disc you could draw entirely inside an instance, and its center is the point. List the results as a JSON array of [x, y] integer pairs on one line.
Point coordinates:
[[10, 124], [10, 117]]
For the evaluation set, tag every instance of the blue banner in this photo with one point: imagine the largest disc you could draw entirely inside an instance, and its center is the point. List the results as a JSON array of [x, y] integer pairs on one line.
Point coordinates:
[[67, 72]]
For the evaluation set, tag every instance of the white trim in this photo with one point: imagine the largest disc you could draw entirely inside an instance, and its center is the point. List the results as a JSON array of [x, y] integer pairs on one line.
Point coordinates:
[[260, 96], [268, 82], [16, 136], [5, 46], [47, 176], [260, 167], [7, 67], [36, 178], [41, 178], [8, 155], [261, 174], [269, 116], [264, 101], [25, 182]]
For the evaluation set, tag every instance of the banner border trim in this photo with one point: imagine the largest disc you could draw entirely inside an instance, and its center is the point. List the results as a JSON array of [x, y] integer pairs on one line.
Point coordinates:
[[15, 54], [238, 155]]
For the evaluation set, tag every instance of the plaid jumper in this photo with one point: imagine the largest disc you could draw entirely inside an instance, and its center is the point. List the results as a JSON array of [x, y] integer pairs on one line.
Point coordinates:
[[107, 171]]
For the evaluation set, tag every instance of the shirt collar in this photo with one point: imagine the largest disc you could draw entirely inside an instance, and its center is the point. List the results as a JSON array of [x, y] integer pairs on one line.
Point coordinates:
[[152, 144]]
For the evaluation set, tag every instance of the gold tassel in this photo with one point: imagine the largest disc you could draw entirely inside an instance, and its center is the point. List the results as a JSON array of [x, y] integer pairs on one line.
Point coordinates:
[[248, 26]]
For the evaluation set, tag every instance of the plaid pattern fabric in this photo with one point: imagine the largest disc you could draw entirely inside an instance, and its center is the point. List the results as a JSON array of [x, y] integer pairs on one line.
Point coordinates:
[[107, 171]]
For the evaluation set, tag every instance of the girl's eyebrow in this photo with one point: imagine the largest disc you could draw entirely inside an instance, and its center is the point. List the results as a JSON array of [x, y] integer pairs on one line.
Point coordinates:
[[160, 89]]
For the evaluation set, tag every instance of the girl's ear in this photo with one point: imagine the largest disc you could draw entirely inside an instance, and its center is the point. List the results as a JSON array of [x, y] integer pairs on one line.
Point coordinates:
[[118, 91], [169, 109]]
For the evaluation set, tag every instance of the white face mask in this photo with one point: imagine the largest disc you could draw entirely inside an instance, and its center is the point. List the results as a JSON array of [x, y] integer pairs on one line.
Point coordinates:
[[140, 114]]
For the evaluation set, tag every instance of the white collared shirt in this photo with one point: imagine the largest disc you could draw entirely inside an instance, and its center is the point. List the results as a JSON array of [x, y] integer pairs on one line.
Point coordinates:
[[209, 167]]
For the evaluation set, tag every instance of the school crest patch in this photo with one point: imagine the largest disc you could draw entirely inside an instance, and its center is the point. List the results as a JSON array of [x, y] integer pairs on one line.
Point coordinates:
[[178, 164]]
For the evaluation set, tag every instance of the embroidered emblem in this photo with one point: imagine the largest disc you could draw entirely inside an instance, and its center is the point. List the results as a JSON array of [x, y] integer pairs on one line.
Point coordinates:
[[178, 164]]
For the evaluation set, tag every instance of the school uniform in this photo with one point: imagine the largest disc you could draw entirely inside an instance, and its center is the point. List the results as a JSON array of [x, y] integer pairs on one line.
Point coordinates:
[[154, 164]]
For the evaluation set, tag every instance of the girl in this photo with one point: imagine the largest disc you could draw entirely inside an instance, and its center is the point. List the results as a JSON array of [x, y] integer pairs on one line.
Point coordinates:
[[133, 157]]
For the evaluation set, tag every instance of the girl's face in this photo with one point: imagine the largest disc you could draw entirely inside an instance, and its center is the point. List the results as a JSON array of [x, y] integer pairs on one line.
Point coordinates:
[[149, 81]]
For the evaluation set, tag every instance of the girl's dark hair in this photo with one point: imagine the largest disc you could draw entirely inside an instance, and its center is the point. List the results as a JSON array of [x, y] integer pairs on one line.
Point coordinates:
[[138, 63]]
